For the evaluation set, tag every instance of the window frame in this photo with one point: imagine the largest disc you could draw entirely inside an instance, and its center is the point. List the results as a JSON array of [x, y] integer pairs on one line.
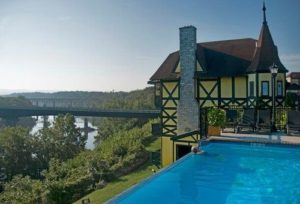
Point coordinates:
[[277, 88], [262, 88], [251, 89]]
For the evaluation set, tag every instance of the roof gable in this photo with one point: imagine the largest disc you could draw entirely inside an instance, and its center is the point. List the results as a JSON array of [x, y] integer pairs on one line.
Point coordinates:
[[229, 57], [266, 53]]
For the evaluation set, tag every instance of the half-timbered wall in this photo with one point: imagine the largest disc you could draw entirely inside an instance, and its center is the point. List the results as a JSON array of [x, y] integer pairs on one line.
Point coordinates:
[[240, 91], [207, 93], [252, 93], [266, 101], [222, 92], [170, 97]]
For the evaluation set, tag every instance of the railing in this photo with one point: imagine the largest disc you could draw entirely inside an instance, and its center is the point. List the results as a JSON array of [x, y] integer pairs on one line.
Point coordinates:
[[281, 115], [195, 135]]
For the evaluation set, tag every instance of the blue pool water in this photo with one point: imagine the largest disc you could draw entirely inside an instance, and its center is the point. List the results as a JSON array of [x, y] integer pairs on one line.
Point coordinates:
[[231, 173]]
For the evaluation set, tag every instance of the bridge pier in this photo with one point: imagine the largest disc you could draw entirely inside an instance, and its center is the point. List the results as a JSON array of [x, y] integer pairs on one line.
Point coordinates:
[[46, 123]]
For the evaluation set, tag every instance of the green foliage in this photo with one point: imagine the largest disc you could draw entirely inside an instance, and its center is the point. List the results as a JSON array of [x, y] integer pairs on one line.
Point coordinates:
[[101, 99], [70, 171], [110, 126], [135, 100], [19, 101], [68, 181], [65, 182], [16, 149], [283, 118], [61, 141], [22, 190], [124, 147], [124, 182], [216, 117]]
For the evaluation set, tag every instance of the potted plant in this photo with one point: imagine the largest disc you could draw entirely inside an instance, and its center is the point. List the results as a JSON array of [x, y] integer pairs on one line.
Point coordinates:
[[216, 119]]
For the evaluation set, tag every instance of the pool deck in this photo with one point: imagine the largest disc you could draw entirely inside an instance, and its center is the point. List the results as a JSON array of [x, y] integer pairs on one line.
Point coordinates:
[[275, 138]]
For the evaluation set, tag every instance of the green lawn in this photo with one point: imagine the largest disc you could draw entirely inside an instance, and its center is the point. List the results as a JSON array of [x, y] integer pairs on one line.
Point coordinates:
[[124, 182]]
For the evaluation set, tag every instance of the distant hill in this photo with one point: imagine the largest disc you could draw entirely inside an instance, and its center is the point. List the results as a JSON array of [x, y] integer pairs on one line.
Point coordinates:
[[67, 94], [14, 101], [132, 100]]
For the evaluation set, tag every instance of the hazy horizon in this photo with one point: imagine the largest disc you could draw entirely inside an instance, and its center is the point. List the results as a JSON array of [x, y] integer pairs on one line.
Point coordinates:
[[118, 45]]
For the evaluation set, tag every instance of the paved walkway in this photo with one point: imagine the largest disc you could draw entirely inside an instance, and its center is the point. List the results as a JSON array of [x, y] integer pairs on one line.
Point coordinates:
[[278, 138]]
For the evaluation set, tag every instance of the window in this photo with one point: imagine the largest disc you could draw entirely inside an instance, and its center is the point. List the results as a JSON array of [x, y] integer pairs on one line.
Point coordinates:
[[265, 88], [251, 88], [279, 88]]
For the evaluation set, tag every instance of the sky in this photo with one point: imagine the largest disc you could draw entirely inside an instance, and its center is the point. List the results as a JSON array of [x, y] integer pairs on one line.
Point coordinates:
[[116, 45]]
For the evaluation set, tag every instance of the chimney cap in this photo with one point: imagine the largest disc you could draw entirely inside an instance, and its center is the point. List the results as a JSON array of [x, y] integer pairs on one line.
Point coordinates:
[[187, 27]]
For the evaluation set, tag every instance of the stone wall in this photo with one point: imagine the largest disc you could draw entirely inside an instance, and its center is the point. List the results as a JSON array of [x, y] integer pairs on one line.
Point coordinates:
[[188, 108]]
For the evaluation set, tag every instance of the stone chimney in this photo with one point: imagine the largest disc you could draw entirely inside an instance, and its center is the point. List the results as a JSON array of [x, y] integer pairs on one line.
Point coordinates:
[[188, 107]]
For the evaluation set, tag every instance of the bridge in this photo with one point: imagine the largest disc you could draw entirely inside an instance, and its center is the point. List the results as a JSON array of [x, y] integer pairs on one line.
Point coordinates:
[[58, 102], [16, 112]]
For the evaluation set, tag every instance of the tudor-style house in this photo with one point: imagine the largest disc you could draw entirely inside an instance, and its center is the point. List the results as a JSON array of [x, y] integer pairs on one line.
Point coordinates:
[[230, 73]]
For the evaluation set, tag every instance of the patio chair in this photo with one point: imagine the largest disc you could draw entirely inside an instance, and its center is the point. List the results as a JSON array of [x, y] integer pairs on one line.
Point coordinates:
[[248, 121], [293, 123], [264, 121], [231, 120]]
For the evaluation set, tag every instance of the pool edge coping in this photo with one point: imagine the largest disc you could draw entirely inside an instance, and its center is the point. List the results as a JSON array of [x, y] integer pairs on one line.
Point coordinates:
[[261, 141]]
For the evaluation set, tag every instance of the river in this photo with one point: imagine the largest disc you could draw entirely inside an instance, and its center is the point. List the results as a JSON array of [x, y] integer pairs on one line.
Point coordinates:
[[79, 123]]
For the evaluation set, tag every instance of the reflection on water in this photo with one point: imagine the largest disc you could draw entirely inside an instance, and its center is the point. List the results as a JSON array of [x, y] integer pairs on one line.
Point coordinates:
[[79, 123]]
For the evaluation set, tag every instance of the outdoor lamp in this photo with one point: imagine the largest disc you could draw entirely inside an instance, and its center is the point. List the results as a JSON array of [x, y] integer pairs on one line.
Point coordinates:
[[274, 71]]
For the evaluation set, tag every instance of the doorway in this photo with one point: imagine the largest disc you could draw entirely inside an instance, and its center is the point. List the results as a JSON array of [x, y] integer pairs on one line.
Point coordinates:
[[182, 150]]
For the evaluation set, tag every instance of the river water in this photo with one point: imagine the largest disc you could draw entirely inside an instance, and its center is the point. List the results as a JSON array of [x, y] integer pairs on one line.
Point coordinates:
[[79, 123]]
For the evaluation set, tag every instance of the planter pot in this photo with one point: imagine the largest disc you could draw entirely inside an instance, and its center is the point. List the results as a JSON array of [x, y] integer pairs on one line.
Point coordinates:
[[214, 131]]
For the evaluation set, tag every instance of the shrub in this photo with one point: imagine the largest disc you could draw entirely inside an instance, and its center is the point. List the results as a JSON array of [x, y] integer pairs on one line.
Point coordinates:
[[216, 117]]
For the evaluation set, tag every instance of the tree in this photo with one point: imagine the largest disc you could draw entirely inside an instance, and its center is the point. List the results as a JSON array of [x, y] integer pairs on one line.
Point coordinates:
[[67, 181], [16, 149], [64, 126], [22, 190], [61, 141]]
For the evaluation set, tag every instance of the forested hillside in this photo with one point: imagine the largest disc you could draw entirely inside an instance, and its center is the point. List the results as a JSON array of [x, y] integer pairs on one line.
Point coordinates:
[[135, 100], [52, 165], [101, 99], [15, 102]]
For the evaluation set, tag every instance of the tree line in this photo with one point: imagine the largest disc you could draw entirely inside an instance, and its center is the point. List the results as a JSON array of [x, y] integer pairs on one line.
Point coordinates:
[[52, 166]]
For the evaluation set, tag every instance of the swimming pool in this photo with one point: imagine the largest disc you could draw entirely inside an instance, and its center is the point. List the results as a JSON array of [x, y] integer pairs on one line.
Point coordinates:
[[226, 173]]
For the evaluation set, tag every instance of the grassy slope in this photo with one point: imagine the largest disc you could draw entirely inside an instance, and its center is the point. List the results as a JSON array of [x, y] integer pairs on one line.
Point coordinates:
[[124, 182]]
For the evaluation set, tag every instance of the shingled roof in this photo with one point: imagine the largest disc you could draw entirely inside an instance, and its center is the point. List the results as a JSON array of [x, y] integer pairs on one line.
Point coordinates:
[[220, 58], [294, 75], [266, 53], [228, 58]]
